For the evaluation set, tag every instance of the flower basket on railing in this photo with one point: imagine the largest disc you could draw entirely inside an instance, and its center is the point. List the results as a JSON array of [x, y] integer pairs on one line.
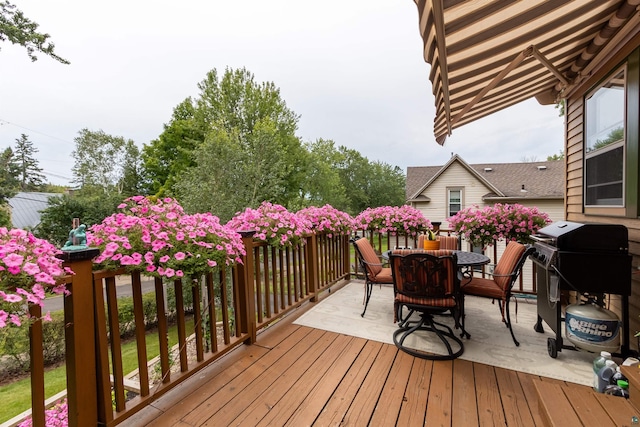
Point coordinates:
[[273, 224], [404, 220], [28, 266], [483, 226], [160, 240]]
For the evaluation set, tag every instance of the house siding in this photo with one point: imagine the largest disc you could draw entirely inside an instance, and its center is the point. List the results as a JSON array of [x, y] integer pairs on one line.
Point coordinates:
[[574, 137], [455, 176]]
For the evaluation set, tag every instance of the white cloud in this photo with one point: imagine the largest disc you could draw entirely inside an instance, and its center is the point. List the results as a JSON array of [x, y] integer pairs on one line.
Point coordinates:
[[352, 69]]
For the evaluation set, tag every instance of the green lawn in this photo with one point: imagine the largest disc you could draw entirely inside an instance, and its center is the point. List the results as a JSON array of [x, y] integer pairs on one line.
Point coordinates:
[[16, 397]]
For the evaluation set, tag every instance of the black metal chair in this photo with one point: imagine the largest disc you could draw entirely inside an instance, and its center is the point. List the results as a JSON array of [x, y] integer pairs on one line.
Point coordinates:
[[428, 285]]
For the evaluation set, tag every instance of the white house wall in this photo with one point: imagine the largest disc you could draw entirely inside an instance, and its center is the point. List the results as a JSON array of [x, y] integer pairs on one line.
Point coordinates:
[[454, 176]]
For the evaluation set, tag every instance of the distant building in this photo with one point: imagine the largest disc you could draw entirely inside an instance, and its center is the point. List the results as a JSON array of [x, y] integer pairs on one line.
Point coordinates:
[[439, 192], [26, 208]]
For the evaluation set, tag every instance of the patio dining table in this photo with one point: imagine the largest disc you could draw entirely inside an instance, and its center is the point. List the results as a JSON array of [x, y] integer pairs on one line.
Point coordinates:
[[467, 261]]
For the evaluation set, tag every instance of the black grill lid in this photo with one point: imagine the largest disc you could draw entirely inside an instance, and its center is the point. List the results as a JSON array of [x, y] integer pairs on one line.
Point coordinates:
[[587, 237]]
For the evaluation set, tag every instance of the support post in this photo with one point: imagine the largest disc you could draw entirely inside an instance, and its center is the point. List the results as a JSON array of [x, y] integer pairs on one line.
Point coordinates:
[[80, 345]]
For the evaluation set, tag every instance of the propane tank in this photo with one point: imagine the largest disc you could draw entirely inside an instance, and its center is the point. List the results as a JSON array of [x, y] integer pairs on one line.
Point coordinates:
[[592, 328]]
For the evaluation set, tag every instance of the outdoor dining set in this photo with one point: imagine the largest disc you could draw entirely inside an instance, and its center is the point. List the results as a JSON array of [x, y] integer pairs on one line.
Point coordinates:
[[429, 283]]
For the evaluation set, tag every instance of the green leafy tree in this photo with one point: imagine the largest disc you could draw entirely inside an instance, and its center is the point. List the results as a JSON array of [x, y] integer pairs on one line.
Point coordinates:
[[237, 172], [104, 163], [249, 152], [5, 215], [558, 156], [56, 219], [9, 184], [386, 185], [30, 174], [18, 29], [131, 182], [322, 184], [173, 152], [353, 169]]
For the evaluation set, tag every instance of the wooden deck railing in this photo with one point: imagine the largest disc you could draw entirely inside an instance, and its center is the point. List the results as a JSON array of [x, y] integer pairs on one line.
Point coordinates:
[[227, 308]]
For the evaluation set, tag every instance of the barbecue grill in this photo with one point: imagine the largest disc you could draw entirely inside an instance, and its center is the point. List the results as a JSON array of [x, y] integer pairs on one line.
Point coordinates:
[[591, 259]]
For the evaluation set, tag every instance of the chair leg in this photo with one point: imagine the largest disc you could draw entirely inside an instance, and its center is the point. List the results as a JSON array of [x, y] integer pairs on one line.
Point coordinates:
[[368, 287], [458, 317], [427, 323], [506, 307]]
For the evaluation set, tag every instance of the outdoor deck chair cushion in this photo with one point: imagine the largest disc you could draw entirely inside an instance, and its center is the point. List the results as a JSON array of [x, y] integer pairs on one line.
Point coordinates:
[[503, 278], [374, 272], [429, 285]]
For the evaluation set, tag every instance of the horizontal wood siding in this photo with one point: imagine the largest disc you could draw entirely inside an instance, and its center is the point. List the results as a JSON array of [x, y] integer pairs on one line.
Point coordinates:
[[454, 176], [574, 185]]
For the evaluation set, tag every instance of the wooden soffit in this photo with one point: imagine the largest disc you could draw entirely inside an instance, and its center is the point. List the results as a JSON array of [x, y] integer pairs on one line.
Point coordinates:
[[488, 55]]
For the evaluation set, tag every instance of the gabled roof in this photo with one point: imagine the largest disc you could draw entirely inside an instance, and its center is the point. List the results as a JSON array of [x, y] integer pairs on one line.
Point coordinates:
[[540, 180], [489, 55], [26, 207]]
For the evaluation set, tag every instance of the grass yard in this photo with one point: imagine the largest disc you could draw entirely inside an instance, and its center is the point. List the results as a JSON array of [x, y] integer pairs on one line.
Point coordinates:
[[16, 396]]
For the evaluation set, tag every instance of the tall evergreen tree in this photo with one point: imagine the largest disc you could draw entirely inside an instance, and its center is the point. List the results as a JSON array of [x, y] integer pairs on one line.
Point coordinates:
[[29, 173]]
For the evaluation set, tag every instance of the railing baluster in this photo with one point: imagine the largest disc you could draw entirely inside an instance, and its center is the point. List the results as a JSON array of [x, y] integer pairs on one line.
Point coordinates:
[[163, 331], [116, 347], [182, 333], [197, 320], [36, 364], [141, 330]]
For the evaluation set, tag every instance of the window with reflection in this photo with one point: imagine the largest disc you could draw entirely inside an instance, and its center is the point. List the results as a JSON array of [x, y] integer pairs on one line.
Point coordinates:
[[455, 201], [604, 143]]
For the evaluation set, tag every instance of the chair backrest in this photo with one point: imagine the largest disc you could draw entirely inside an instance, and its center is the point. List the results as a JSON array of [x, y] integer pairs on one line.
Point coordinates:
[[446, 242], [366, 253], [422, 275], [510, 263], [449, 242], [436, 252]]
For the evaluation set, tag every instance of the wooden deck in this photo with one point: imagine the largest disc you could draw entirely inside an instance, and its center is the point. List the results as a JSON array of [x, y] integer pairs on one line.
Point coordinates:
[[300, 376]]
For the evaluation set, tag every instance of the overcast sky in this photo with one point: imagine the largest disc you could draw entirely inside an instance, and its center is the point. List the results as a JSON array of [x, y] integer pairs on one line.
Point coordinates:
[[352, 69]]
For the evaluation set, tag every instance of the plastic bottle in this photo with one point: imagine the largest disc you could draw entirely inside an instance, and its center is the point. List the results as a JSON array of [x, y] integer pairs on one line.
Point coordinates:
[[620, 389], [605, 375], [598, 364], [617, 377]]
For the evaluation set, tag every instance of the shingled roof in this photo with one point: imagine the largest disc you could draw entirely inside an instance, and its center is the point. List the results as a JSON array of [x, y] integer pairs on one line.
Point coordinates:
[[540, 180]]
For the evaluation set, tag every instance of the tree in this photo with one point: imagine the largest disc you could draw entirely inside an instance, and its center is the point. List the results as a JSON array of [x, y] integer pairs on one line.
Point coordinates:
[[30, 174], [104, 163], [248, 153], [238, 172], [9, 184], [172, 153], [386, 185], [323, 184], [554, 157], [55, 220], [20, 30]]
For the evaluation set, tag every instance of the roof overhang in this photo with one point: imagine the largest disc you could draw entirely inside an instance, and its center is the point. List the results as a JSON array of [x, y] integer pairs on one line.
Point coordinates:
[[488, 55]]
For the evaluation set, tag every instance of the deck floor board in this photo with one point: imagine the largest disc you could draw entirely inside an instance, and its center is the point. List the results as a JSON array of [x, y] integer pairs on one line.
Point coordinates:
[[295, 375]]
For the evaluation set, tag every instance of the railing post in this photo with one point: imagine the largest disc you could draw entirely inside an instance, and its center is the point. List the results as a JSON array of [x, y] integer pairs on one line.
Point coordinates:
[[246, 291], [346, 257], [311, 264], [80, 345]]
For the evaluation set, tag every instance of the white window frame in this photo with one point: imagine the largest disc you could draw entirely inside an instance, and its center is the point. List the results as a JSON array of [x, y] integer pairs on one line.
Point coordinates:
[[595, 132], [449, 203]]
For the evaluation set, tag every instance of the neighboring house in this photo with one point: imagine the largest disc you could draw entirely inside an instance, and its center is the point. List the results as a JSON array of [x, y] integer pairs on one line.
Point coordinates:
[[441, 191], [26, 208]]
